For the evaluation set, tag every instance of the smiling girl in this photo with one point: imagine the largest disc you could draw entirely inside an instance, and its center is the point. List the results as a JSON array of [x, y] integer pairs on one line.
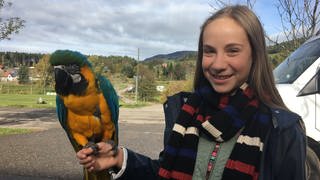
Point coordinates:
[[234, 126]]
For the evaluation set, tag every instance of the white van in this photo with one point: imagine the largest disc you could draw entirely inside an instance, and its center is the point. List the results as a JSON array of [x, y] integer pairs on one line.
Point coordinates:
[[297, 82]]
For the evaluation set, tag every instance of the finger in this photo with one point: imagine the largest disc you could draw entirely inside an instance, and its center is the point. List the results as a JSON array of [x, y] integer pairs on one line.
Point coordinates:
[[93, 146], [90, 169], [102, 146], [83, 153], [86, 160], [89, 165], [112, 145], [86, 151], [106, 148]]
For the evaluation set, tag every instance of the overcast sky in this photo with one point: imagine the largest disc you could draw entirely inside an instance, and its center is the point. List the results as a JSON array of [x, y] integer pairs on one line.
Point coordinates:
[[117, 27]]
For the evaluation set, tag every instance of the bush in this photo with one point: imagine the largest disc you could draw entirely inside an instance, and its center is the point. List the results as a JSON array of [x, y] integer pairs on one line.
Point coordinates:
[[175, 87]]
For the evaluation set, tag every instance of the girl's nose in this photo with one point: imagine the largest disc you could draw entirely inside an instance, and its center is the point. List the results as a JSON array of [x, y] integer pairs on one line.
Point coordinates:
[[218, 62]]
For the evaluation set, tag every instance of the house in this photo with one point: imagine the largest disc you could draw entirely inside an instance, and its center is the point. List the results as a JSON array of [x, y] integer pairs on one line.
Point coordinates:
[[9, 76]]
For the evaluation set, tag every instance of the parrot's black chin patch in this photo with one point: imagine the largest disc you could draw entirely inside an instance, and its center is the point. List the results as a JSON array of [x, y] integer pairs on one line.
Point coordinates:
[[65, 86], [80, 87]]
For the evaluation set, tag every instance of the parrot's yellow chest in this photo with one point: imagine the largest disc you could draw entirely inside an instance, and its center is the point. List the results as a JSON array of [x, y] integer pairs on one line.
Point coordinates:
[[88, 115], [82, 105]]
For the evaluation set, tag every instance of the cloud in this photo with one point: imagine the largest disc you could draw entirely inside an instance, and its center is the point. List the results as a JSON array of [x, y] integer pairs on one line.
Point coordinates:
[[116, 27], [110, 27]]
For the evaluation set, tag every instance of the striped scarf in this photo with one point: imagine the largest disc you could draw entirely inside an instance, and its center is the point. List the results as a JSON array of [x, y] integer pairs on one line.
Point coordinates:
[[220, 117]]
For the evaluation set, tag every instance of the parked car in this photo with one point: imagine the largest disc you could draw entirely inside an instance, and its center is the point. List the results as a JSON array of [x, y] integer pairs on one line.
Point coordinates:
[[298, 82]]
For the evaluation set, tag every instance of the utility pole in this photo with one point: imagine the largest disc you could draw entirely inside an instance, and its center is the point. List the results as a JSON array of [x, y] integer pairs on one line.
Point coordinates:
[[2, 57], [137, 78]]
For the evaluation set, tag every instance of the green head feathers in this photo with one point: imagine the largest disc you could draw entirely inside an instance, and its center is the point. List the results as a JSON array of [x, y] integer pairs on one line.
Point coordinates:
[[65, 57]]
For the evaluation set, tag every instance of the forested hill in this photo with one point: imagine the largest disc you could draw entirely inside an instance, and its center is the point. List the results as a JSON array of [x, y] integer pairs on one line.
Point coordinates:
[[15, 59], [178, 55], [277, 54]]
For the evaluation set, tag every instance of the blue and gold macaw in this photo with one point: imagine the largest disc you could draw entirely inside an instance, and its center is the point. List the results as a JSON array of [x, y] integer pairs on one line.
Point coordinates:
[[87, 104]]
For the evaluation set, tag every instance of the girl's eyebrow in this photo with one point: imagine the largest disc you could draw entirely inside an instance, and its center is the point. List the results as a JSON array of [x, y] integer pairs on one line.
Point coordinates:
[[233, 44], [228, 45], [208, 46]]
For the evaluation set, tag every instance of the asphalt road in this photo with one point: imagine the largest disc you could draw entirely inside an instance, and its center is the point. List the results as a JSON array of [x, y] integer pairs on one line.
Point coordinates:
[[46, 154]]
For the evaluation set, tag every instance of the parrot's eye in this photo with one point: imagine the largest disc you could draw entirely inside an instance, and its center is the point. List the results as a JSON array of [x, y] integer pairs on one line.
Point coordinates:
[[73, 69], [62, 67]]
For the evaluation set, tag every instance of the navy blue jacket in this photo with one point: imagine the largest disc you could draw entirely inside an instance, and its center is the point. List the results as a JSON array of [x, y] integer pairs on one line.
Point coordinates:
[[283, 157]]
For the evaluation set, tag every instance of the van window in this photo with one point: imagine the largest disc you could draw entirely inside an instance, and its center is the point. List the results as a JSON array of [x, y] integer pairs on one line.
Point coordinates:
[[294, 65]]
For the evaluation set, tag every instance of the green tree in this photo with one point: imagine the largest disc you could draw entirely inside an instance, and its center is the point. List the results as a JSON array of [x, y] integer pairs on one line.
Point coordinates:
[[170, 70], [128, 70], [45, 72], [23, 75], [147, 85], [179, 72], [165, 71], [9, 25]]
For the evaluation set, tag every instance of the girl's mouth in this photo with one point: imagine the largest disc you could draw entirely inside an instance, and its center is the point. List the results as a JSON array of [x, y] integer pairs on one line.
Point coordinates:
[[221, 77]]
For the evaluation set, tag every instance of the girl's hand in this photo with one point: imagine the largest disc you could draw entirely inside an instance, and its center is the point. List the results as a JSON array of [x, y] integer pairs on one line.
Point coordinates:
[[108, 157]]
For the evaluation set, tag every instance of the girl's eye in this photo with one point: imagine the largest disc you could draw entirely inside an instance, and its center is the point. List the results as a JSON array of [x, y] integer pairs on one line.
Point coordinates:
[[233, 51], [208, 51]]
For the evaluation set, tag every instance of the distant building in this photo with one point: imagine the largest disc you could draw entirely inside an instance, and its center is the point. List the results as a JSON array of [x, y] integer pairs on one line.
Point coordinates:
[[9, 76], [160, 88]]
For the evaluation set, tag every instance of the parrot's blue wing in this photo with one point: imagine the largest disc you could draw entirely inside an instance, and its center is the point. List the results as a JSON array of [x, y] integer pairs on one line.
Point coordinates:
[[62, 116], [61, 113], [112, 99]]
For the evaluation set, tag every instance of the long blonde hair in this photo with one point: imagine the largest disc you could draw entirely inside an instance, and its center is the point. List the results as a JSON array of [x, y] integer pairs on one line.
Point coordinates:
[[261, 78]]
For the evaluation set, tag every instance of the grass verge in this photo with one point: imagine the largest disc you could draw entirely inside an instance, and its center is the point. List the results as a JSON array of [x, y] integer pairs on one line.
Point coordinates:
[[30, 101], [8, 131], [140, 104], [27, 100]]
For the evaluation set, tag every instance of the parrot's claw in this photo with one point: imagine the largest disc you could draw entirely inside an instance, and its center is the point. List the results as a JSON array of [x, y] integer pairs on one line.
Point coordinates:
[[93, 146]]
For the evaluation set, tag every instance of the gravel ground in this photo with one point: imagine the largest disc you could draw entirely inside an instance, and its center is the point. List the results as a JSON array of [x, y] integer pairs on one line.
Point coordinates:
[[46, 153]]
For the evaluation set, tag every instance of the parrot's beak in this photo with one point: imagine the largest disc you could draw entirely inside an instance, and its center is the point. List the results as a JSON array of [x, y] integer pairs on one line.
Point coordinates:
[[62, 81], [60, 75], [69, 81]]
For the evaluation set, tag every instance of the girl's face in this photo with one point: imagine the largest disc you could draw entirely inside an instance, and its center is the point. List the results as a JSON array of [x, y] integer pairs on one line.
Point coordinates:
[[227, 59]]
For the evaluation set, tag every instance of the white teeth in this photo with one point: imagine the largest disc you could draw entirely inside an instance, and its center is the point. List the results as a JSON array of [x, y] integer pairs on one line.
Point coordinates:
[[221, 76]]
